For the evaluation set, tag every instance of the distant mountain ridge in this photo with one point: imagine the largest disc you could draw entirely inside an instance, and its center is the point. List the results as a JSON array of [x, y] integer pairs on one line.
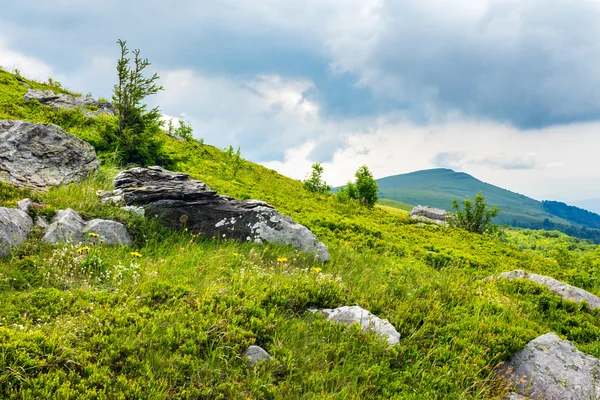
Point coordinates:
[[592, 205], [438, 187]]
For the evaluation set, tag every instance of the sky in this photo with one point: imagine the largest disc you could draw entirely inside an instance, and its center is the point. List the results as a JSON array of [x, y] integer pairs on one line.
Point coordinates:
[[505, 90]]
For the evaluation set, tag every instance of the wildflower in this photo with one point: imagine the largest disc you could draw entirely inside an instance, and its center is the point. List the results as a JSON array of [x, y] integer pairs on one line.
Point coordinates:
[[94, 235], [236, 255], [135, 254], [281, 259], [82, 249], [317, 269]]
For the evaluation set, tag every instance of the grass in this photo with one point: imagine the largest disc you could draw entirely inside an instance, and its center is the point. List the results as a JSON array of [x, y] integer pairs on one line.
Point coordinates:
[[174, 323]]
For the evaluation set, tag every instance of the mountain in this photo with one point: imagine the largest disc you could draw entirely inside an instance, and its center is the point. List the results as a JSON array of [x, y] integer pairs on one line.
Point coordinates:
[[592, 205], [438, 187]]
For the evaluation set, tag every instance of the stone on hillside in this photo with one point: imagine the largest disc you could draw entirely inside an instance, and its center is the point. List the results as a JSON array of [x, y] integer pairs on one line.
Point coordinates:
[[514, 396], [553, 369], [15, 225], [256, 354], [430, 214], [25, 205], [66, 101], [180, 202], [38, 156], [41, 222], [354, 314], [562, 289], [66, 226], [111, 233]]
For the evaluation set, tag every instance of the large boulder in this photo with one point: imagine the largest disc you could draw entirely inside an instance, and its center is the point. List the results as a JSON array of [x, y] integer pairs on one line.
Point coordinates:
[[38, 156], [180, 202], [553, 369], [357, 315], [562, 289], [15, 225], [66, 101], [68, 226], [430, 214]]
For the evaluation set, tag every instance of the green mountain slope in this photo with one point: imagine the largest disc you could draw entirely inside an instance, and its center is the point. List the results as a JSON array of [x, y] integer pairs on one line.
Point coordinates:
[[438, 187], [171, 316]]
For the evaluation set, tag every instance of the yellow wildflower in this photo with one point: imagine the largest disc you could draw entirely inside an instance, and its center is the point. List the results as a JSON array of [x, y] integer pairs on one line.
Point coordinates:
[[281, 259], [135, 254], [82, 249], [236, 255], [94, 235], [317, 269]]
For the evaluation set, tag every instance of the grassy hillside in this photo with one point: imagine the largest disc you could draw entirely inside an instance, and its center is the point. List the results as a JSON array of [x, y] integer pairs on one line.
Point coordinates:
[[438, 187], [174, 322], [395, 204]]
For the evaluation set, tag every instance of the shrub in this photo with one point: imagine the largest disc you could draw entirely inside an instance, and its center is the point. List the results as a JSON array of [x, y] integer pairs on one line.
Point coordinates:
[[476, 217], [364, 190], [314, 182]]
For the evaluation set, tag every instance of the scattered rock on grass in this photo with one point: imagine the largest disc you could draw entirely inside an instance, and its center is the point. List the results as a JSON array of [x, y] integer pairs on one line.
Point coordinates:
[[38, 156], [553, 369], [15, 225], [354, 314], [562, 289], [66, 101], [256, 354], [181, 202], [430, 214]]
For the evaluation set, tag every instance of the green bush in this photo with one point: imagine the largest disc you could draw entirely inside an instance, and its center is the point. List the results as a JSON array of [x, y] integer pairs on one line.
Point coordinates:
[[475, 216], [314, 183]]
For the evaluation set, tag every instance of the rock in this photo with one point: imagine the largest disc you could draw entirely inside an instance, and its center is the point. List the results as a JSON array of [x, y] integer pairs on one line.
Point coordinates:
[[38, 156], [25, 205], [135, 210], [66, 226], [354, 314], [110, 232], [41, 222], [66, 101], [553, 369], [15, 225], [180, 202], [256, 354], [514, 396], [430, 214], [562, 289]]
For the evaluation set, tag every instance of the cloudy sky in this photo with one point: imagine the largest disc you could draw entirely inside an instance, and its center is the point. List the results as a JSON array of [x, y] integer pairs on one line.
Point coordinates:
[[506, 90]]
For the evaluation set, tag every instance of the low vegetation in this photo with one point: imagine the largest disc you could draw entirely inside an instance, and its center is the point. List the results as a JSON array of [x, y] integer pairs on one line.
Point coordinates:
[[171, 316]]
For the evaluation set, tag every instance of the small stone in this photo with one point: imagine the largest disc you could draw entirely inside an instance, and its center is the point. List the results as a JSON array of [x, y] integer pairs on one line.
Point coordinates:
[[41, 222], [15, 225], [25, 205], [111, 233], [256, 354], [66, 226]]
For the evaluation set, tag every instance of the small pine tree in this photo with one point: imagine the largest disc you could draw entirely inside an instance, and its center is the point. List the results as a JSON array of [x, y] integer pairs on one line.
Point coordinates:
[[235, 162], [314, 182], [476, 216], [138, 135]]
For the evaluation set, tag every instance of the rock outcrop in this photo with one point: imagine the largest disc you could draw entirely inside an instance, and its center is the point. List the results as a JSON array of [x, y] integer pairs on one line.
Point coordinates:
[[180, 202], [553, 369], [256, 354], [562, 289], [354, 314], [15, 225], [430, 214], [66, 101], [68, 226], [38, 156]]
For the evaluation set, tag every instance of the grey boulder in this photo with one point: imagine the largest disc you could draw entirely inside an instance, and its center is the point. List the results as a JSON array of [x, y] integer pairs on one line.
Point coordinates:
[[256, 354], [66, 101], [430, 214], [38, 156], [15, 225], [354, 314], [68, 226], [562, 289], [550, 368], [181, 202], [25, 205]]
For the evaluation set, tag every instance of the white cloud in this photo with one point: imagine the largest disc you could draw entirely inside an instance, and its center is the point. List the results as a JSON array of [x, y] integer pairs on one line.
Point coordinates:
[[28, 66]]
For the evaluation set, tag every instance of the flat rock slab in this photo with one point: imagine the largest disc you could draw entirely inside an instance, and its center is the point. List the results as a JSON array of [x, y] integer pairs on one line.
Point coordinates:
[[562, 289], [66, 101], [550, 368], [181, 202], [15, 225], [354, 314], [68, 226], [39, 156], [430, 214]]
